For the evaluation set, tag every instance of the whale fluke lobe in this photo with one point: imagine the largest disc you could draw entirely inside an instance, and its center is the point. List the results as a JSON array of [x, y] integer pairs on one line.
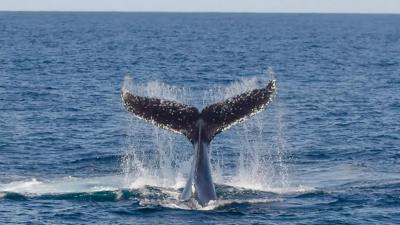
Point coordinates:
[[199, 128], [222, 115], [166, 114]]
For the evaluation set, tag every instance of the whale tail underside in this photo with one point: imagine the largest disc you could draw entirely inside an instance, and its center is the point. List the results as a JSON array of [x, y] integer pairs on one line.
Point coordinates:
[[170, 115], [182, 118]]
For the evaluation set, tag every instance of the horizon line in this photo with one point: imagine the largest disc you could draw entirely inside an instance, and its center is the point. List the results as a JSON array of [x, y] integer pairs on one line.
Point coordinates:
[[199, 12]]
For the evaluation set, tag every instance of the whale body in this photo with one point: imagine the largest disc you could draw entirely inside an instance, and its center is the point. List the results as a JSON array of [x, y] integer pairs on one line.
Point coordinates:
[[199, 127]]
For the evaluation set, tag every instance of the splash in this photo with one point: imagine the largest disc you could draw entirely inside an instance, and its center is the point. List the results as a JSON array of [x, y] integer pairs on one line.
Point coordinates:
[[262, 153], [250, 155], [151, 156]]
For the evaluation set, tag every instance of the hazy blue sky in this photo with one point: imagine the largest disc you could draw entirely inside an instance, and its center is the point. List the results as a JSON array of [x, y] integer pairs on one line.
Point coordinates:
[[358, 6]]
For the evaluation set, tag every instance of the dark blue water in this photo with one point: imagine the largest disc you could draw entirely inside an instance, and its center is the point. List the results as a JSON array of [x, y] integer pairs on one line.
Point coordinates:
[[71, 154]]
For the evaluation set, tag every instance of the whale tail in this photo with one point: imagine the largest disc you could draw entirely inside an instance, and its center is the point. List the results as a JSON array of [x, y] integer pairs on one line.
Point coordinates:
[[182, 118], [199, 127]]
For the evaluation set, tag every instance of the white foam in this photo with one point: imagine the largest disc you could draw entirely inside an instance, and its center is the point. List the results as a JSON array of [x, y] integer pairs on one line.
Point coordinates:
[[212, 205], [64, 185], [151, 194], [249, 183]]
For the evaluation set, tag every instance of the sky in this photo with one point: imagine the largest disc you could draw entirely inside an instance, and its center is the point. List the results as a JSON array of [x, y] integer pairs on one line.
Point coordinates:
[[322, 6]]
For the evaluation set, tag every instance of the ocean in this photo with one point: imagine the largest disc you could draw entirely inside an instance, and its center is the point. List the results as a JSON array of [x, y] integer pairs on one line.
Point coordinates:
[[324, 151]]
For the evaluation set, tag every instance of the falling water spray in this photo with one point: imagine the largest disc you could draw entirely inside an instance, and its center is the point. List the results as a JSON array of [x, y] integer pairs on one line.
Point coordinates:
[[250, 155]]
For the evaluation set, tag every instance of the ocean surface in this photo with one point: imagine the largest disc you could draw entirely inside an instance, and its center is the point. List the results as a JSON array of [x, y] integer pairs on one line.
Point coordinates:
[[325, 151]]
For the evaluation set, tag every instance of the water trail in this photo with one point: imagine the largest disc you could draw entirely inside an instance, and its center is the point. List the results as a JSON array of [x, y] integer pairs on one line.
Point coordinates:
[[250, 155]]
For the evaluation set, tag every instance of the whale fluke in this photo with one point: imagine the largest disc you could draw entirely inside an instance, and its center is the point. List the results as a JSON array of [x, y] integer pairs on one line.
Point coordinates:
[[199, 128], [182, 118]]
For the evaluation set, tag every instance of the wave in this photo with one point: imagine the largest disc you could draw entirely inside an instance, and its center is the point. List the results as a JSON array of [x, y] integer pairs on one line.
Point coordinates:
[[145, 194], [115, 188], [97, 159], [64, 185]]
